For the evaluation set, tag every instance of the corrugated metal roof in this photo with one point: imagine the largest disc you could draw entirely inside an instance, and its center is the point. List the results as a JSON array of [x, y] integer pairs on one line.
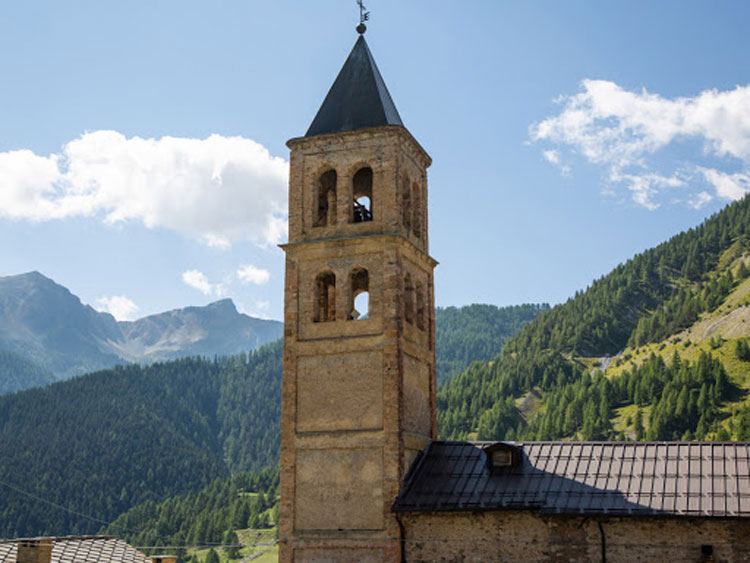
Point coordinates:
[[620, 478], [358, 97], [87, 549]]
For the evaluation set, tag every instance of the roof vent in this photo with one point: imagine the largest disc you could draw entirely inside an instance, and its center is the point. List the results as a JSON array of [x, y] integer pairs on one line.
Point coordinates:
[[502, 456]]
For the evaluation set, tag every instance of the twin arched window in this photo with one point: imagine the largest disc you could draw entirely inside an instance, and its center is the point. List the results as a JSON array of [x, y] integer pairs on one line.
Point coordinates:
[[359, 296], [361, 208], [415, 299], [362, 201]]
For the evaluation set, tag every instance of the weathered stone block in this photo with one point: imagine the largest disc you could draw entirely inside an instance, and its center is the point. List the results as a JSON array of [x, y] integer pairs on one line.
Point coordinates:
[[417, 405], [339, 489], [340, 392], [338, 555]]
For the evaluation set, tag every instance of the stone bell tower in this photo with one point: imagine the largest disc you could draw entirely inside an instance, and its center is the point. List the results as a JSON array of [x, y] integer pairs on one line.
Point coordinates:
[[358, 393]]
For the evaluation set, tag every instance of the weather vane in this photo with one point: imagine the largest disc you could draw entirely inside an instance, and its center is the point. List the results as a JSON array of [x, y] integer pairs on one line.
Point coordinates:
[[364, 16]]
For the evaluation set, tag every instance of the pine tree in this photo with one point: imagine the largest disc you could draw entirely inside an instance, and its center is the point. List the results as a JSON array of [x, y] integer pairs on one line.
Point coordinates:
[[742, 271], [742, 350], [231, 541], [681, 409], [240, 514]]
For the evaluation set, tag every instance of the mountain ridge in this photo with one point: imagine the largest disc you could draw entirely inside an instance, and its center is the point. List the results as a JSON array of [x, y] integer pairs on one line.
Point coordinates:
[[45, 323]]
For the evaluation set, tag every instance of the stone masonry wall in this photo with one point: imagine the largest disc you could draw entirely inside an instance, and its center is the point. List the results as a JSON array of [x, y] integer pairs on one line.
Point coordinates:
[[530, 537], [358, 397]]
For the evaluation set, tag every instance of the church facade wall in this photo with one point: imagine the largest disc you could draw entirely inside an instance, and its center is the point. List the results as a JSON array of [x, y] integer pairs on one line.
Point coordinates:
[[530, 537]]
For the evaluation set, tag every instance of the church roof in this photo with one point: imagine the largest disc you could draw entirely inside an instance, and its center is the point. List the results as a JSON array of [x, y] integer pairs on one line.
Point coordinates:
[[358, 97], [698, 479]]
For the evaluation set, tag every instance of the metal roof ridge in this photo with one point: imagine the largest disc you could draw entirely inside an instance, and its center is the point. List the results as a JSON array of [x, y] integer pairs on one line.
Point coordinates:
[[601, 442], [60, 538]]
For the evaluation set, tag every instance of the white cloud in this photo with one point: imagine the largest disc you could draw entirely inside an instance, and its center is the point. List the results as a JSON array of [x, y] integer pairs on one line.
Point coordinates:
[[700, 199], [246, 274], [628, 132], [251, 274], [218, 189], [260, 310], [643, 187], [552, 156], [119, 306], [728, 186], [197, 280]]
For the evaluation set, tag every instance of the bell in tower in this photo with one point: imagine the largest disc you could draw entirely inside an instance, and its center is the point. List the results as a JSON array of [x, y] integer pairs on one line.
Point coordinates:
[[358, 392]]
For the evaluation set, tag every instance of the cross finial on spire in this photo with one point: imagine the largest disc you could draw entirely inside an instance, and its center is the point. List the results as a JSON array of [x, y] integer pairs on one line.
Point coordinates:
[[364, 16]]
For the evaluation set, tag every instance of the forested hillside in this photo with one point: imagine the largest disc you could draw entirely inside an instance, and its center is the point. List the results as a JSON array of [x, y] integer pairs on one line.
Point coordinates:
[[211, 516], [18, 372], [102, 443], [546, 369], [657, 349], [476, 333], [676, 319]]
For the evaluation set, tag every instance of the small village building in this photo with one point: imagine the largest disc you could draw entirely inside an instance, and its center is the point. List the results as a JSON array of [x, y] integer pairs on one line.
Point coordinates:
[[75, 549], [577, 501], [363, 477]]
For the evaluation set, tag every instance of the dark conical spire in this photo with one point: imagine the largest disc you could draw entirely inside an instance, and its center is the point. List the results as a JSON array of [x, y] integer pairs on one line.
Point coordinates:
[[358, 97]]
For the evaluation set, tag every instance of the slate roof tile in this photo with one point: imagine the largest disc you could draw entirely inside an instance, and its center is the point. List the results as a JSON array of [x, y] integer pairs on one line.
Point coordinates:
[[619, 478], [85, 549], [358, 98]]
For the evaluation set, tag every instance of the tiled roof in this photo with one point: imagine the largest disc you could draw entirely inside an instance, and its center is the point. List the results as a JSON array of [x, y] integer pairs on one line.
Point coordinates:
[[696, 479], [358, 98], [87, 549]]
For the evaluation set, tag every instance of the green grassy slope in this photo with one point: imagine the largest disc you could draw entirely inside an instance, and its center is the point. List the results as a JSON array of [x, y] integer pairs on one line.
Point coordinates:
[[694, 282], [719, 332]]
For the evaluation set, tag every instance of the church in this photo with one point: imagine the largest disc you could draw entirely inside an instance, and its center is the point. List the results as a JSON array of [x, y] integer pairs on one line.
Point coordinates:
[[363, 476]]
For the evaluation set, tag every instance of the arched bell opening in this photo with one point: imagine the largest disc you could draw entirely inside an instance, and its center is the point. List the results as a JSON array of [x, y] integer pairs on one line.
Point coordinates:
[[325, 213], [325, 304], [362, 204], [360, 295]]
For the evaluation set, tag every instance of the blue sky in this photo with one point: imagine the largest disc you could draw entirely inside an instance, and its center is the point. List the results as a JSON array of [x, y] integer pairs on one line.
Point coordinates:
[[143, 157]]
